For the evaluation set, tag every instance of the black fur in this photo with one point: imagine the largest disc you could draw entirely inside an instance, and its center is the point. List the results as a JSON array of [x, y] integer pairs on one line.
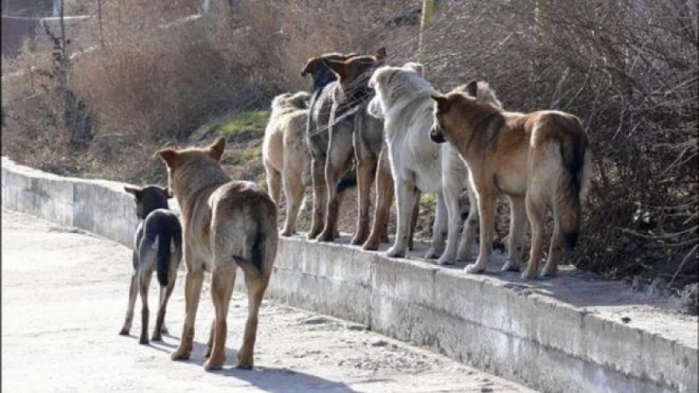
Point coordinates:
[[164, 225]]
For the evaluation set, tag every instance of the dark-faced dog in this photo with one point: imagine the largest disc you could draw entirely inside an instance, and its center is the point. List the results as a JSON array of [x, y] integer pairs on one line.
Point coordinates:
[[317, 138], [157, 246]]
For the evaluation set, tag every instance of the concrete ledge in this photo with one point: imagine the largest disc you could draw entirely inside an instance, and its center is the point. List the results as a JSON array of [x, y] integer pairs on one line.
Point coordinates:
[[560, 335]]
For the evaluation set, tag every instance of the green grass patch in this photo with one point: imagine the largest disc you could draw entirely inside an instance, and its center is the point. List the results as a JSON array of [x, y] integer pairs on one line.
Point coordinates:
[[232, 125], [241, 156], [427, 199]]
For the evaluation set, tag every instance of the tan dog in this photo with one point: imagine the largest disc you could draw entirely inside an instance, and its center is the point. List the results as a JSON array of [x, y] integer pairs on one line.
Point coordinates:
[[285, 154], [537, 159], [226, 224]]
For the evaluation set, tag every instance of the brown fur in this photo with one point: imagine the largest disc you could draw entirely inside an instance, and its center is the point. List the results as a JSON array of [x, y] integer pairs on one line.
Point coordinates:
[[537, 159], [226, 224], [285, 155]]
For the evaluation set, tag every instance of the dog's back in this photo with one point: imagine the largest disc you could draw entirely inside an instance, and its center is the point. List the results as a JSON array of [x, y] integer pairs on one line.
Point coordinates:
[[243, 225], [161, 242]]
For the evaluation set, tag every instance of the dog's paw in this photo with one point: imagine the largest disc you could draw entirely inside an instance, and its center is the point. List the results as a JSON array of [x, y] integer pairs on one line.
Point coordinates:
[[286, 233], [156, 337], [325, 236], [528, 273], [474, 269], [432, 253], [510, 266], [124, 332], [164, 330], [143, 341], [179, 354], [371, 245], [549, 271], [394, 252], [357, 240], [213, 365]]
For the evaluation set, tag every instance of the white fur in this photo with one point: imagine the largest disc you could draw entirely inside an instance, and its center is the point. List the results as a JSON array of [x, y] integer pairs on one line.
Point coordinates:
[[403, 101]]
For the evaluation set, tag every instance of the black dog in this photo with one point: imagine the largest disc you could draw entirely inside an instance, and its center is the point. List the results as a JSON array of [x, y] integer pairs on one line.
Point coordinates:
[[157, 246]]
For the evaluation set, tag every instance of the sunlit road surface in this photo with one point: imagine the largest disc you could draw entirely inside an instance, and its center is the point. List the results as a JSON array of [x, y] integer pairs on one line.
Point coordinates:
[[64, 295]]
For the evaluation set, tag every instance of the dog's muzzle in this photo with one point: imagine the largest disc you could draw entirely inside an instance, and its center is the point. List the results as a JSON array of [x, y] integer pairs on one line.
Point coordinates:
[[436, 135]]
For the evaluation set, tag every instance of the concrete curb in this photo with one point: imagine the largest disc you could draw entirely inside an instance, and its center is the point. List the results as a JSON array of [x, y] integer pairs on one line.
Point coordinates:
[[560, 335]]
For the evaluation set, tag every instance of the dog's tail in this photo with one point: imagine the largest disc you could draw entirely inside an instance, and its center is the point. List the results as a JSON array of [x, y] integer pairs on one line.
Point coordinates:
[[573, 185], [260, 250], [165, 248]]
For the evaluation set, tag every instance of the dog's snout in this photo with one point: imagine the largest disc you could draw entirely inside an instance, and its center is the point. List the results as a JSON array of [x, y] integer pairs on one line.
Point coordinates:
[[436, 135]]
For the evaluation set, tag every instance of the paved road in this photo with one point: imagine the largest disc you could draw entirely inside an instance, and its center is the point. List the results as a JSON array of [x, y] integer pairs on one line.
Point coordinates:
[[63, 301]]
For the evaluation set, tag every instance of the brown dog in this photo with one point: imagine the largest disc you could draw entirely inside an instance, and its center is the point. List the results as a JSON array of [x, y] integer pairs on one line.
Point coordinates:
[[285, 154], [537, 159], [226, 224]]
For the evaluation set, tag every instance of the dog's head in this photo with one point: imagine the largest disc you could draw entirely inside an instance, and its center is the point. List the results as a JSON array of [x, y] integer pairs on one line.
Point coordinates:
[[353, 73], [321, 74], [464, 110], [394, 83], [149, 198], [288, 101], [192, 168]]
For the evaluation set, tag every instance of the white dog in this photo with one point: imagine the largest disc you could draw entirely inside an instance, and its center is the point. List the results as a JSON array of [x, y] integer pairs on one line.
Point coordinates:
[[403, 101]]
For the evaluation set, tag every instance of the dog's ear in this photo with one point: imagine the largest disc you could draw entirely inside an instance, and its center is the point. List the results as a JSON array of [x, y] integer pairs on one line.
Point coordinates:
[[170, 157], [380, 77], [417, 67], [380, 55], [341, 68], [471, 88], [137, 192], [310, 66], [215, 150], [442, 101]]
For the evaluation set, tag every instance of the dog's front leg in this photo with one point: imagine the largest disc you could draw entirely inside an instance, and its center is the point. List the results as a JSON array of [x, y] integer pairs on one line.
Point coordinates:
[[486, 210], [518, 222], [439, 229], [133, 292], [405, 198], [192, 291], [451, 201]]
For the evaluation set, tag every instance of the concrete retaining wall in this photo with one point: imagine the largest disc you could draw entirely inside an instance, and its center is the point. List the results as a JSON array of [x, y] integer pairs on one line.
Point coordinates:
[[560, 335]]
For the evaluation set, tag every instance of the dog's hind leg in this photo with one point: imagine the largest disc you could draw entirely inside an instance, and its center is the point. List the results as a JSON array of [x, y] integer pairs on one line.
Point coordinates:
[[382, 209], [535, 212], [366, 166], [413, 220], [274, 184], [319, 197], [165, 293], [144, 283], [557, 250], [222, 280], [210, 343], [451, 201], [192, 291], [133, 293], [256, 290], [293, 189], [406, 195]]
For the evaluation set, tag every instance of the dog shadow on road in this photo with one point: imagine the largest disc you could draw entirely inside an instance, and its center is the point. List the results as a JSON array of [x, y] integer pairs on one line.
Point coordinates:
[[268, 379]]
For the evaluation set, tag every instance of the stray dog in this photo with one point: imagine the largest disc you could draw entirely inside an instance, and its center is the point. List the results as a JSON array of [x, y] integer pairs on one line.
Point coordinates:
[[536, 159], [227, 224], [285, 154], [157, 246], [353, 130], [403, 101], [317, 138]]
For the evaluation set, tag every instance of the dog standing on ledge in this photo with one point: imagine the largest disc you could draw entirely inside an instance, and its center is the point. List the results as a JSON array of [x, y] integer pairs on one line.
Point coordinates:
[[227, 224], [157, 246]]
